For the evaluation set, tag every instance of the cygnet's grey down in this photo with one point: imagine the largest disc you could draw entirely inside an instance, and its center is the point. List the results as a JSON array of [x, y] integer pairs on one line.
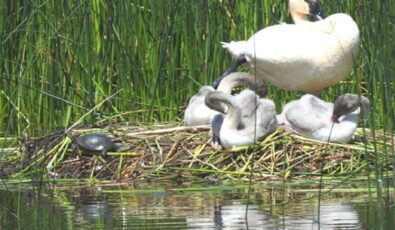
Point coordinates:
[[245, 120], [325, 121], [197, 113]]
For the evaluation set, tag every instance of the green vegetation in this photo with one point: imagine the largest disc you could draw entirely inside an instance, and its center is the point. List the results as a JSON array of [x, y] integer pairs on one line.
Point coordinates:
[[168, 152], [60, 59], [99, 62]]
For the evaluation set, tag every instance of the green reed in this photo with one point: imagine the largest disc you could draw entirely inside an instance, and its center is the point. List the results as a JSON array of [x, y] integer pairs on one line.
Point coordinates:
[[61, 59]]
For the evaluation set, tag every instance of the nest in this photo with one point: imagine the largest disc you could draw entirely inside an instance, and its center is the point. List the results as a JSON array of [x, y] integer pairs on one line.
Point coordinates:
[[170, 151]]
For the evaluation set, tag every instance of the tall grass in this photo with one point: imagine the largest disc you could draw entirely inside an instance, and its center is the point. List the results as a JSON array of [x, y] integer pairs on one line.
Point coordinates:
[[61, 59]]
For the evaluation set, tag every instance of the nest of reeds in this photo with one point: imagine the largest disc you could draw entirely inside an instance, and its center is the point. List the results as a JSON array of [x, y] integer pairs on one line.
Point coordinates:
[[171, 151]]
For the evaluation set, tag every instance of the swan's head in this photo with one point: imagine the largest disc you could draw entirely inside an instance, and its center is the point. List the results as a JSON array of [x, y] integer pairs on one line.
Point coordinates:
[[299, 9], [214, 100], [260, 89], [315, 9], [348, 103]]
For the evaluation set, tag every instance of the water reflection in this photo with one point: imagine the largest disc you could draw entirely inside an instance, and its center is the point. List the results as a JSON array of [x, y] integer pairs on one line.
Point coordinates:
[[229, 216], [332, 215], [95, 209], [124, 208]]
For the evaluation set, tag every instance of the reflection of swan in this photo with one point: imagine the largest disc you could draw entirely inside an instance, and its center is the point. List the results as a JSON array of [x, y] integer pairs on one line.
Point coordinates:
[[247, 118], [314, 118], [230, 217], [304, 56], [197, 113], [333, 215], [95, 210]]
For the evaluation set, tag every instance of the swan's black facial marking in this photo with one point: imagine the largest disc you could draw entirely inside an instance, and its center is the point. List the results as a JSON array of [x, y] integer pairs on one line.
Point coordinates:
[[315, 10]]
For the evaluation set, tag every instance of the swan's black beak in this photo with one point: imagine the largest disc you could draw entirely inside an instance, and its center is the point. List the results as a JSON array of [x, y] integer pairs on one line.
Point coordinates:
[[315, 10]]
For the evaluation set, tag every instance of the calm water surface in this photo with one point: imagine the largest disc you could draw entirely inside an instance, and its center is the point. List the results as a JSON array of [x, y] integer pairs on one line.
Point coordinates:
[[188, 205]]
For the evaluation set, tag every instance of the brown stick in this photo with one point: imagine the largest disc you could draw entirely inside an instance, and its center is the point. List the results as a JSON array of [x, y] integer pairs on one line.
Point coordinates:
[[169, 130]]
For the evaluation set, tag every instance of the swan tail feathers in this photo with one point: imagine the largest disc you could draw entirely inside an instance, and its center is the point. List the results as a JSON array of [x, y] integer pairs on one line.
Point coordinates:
[[236, 48]]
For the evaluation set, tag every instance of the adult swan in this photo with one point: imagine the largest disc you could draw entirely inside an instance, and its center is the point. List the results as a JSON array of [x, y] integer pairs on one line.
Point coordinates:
[[305, 56]]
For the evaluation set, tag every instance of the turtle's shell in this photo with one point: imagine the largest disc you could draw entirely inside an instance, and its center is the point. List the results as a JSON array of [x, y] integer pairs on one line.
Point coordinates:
[[95, 142]]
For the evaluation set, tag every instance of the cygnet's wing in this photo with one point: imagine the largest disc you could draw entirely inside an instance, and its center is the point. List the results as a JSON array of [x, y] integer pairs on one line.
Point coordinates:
[[266, 117], [247, 101], [199, 97], [281, 118], [309, 114], [197, 113], [257, 115]]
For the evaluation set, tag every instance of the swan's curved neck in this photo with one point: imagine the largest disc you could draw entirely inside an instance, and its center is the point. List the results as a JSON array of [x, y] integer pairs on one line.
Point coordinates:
[[241, 79], [299, 9], [233, 113], [299, 18], [228, 83]]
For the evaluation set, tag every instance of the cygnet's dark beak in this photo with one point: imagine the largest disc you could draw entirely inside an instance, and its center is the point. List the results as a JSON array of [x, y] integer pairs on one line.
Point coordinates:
[[315, 10], [334, 118]]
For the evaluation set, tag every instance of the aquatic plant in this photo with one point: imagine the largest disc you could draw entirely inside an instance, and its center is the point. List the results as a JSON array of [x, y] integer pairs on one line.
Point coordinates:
[[140, 61], [60, 60]]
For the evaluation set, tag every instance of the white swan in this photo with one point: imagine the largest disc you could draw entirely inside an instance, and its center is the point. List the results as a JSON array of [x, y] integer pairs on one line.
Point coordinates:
[[197, 113], [247, 118], [304, 56], [325, 121]]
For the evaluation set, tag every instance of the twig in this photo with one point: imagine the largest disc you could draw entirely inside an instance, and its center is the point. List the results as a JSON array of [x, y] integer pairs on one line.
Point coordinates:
[[197, 151], [170, 130], [123, 154], [170, 153]]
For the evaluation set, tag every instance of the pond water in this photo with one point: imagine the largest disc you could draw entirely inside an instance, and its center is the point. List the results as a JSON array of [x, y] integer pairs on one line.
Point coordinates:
[[168, 205]]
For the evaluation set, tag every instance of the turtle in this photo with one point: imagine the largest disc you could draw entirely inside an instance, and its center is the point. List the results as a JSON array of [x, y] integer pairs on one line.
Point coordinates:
[[95, 142]]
